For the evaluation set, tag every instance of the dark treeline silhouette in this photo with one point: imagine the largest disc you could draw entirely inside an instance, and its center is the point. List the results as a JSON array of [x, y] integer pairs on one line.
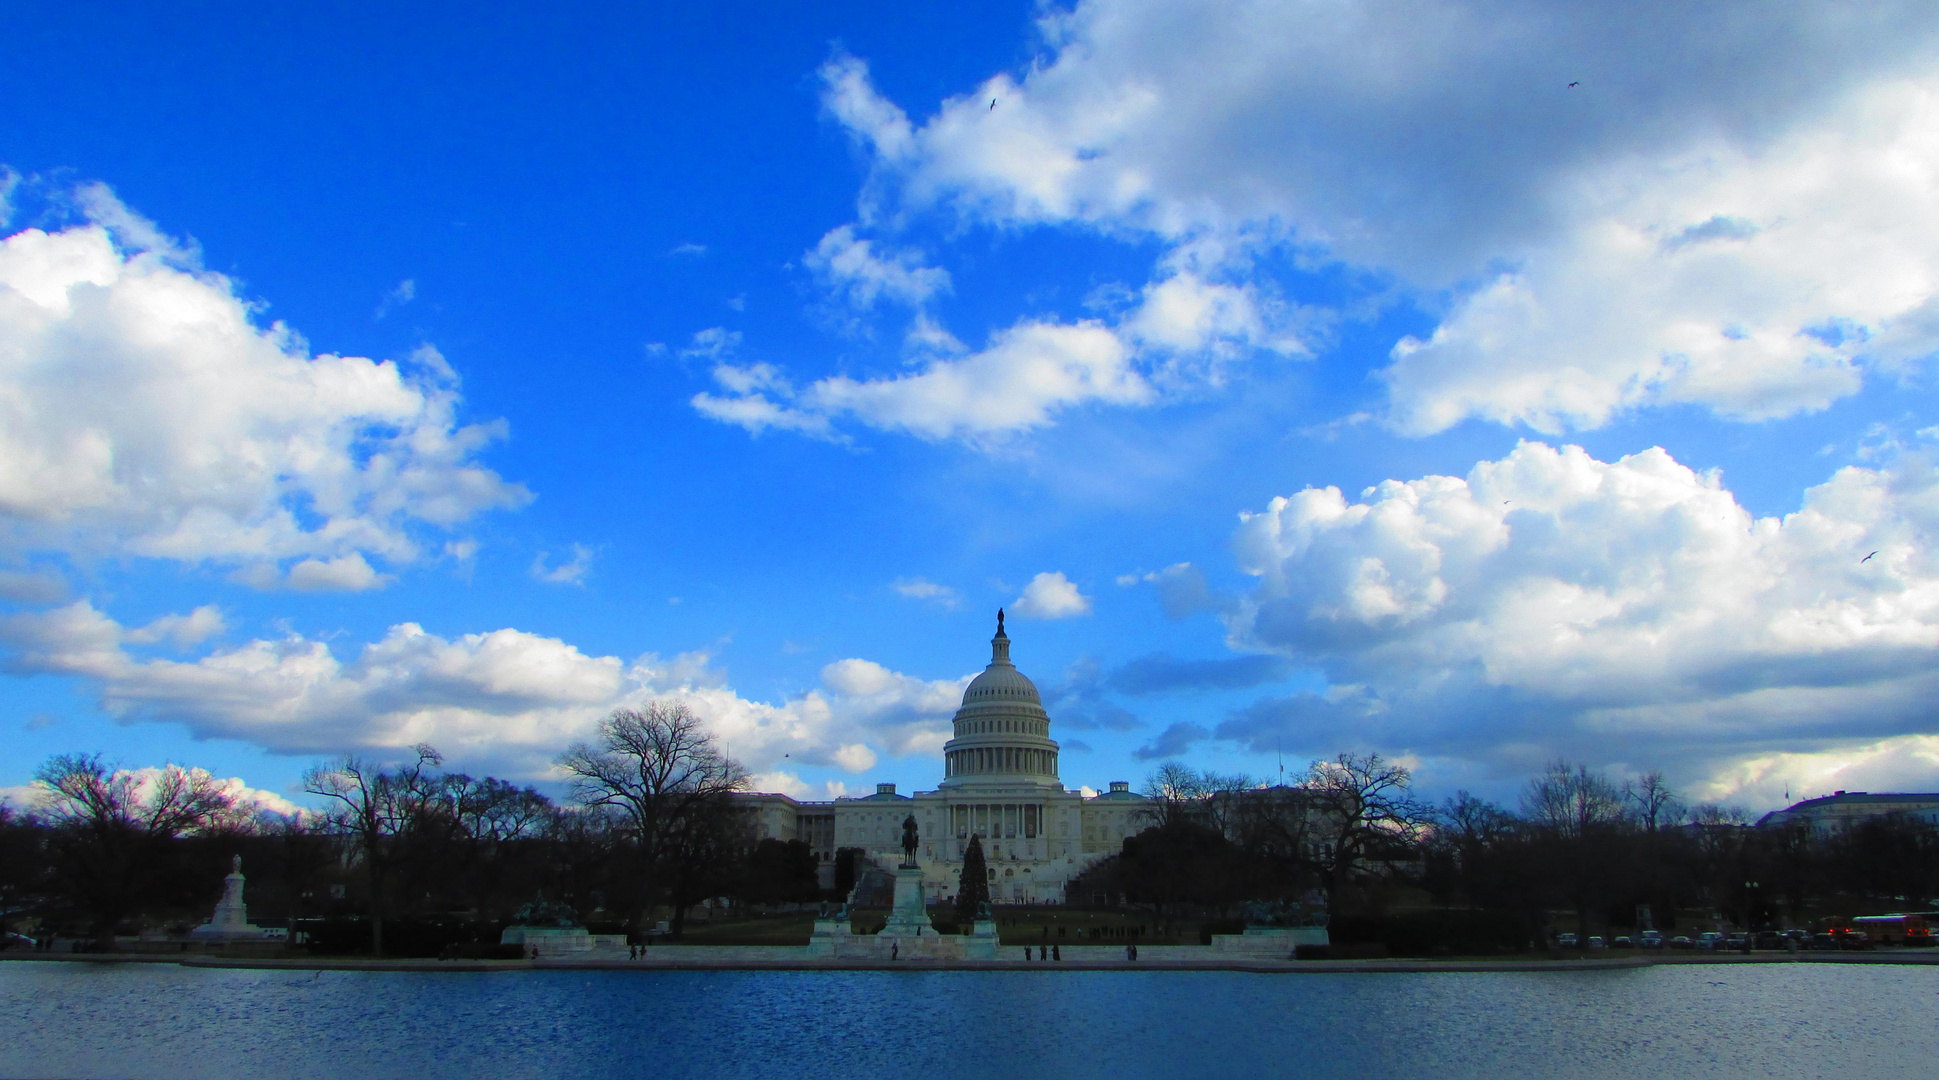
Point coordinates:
[[651, 829], [1579, 852], [404, 857]]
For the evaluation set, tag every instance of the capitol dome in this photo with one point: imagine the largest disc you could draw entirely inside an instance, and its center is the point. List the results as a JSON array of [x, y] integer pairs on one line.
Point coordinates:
[[1002, 731], [1001, 682]]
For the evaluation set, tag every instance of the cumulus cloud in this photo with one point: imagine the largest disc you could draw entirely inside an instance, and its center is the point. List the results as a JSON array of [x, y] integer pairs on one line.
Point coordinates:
[[1756, 283], [855, 269], [143, 411], [1051, 595], [507, 698], [1629, 611], [1727, 211]]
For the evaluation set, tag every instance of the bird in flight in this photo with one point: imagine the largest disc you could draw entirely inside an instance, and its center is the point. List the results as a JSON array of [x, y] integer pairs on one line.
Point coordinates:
[[1573, 85], [992, 103], [1866, 559]]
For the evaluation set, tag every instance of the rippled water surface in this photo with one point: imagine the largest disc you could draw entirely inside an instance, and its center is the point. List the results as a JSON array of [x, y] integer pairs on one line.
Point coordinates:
[[154, 1020]]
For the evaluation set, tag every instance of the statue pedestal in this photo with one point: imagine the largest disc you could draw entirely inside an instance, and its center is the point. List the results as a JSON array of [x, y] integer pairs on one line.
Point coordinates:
[[552, 942], [829, 937], [982, 941], [1278, 941], [231, 919], [910, 917]]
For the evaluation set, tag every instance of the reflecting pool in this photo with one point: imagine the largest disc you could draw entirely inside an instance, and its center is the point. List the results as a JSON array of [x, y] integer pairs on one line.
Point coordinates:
[[1768, 1020]]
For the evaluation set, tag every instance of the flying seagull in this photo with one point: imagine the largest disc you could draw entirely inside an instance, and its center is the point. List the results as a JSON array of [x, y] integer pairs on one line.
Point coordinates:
[[992, 103], [1573, 85], [1866, 559]]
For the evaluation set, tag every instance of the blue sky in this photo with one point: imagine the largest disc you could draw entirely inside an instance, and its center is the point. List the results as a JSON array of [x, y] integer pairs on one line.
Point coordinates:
[[1304, 378]]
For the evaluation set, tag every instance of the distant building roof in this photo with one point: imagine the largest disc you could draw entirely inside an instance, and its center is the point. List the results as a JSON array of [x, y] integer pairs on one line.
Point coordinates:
[[1848, 806], [1848, 798]]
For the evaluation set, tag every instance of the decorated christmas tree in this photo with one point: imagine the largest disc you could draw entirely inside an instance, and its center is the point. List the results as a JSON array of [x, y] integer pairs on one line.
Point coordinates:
[[974, 888]]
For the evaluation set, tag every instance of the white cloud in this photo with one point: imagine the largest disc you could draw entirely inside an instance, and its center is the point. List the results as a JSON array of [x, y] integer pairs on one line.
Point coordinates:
[[1549, 602], [1904, 763], [714, 343], [1727, 211], [349, 573], [688, 249], [919, 589], [571, 572], [184, 630], [505, 698], [1026, 375], [1755, 284], [221, 441], [1051, 595], [249, 801], [852, 268]]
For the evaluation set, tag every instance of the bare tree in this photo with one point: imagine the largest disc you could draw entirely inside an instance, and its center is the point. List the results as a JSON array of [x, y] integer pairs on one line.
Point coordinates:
[[375, 806], [1365, 812], [1572, 802], [1176, 792], [111, 825], [1652, 803], [1579, 815], [660, 767], [170, 801]]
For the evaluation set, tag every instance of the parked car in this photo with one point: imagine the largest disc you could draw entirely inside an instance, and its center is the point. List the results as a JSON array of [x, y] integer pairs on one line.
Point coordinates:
[[1709, 939], [1566, 941], [1596, 942], [1770, 939], [1621, 941], [1651, 939], [1681, 942], [1735, 942], [17, 941]]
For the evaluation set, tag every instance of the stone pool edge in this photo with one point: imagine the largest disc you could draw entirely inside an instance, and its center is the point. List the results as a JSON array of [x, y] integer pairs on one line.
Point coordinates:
[[718, 963]]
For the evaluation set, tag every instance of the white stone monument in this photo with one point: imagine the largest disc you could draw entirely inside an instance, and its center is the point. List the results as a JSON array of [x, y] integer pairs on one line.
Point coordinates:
[[231, 919]]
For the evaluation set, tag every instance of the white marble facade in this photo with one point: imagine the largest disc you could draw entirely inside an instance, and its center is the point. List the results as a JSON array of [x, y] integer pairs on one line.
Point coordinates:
[[1000, 782]]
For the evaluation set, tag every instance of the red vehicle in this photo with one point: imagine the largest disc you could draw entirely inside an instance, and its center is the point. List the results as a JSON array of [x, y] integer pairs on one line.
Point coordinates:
[[1896, 929]]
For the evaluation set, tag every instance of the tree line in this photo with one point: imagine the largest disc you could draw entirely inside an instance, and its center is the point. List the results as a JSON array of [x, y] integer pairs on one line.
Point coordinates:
[[1578, 851], [650, 826]]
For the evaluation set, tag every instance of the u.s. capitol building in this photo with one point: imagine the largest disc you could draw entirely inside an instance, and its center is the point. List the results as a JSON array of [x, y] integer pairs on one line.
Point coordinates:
[[1000, 782]]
